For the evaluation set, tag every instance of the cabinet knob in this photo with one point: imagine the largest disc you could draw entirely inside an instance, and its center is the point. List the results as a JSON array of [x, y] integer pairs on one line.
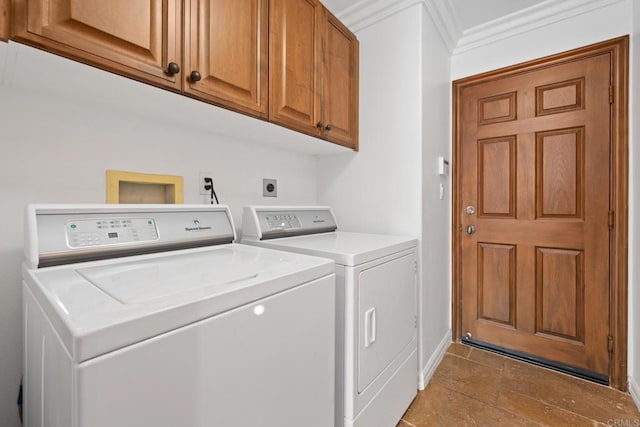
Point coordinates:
[[328, 128], [319, 124], [195, 76], [173, 68]]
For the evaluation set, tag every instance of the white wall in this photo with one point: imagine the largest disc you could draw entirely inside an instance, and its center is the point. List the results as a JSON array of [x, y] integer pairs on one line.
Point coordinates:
[[392, 185], [592, 27], [377, 190], [601, 24], [634, 213], [436, 243], [56, 149]]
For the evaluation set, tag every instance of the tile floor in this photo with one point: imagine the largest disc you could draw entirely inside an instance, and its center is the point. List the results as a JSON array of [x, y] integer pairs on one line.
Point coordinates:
[[472, 387]]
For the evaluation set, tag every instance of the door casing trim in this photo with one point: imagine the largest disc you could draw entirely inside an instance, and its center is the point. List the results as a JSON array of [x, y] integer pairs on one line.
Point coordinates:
[[618, 49]]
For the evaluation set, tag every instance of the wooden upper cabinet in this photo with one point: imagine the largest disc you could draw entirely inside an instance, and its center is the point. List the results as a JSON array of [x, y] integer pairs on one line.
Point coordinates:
[[5, 19], [295, 64], [289, 61], [226, 56], [313, 80], [134, 38], [340, 100]]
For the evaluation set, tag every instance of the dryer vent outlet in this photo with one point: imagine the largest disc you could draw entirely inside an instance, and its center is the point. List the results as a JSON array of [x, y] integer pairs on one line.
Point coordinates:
[[269, 187]]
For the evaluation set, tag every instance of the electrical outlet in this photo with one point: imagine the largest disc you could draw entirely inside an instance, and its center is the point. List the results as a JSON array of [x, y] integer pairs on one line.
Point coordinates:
[[201, 183], [269, 187]]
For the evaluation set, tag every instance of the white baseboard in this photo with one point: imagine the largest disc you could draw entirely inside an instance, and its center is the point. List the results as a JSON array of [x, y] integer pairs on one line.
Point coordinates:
[[634, 390], [434, 361]]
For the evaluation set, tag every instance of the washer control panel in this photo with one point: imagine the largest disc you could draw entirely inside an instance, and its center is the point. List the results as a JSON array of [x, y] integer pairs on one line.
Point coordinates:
[[106, 231]]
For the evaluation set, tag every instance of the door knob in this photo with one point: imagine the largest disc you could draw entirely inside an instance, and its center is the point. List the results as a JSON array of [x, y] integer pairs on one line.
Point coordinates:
[[471, 229]]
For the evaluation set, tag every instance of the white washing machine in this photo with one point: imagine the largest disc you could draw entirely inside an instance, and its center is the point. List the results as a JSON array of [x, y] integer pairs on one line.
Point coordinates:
[[149, 316], [376, 339]]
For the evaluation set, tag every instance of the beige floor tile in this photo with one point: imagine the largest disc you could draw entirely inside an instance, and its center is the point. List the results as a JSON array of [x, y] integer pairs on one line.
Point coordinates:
[[466, 411], [591, 400], [459, 349], [468, 377], [428, 406], [538, 411], [472, 387], [487, 358]]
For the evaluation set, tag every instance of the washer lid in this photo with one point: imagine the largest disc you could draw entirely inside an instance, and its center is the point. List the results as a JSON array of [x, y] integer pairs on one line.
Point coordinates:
[[101, 306], [145, 281], [345, 248]]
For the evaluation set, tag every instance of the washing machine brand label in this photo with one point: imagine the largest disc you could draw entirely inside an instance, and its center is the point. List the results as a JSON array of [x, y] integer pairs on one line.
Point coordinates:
[[318, 221], [197, 227]]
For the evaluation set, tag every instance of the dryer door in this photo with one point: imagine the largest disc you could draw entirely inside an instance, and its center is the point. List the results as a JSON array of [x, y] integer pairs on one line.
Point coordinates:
[[386, 314]]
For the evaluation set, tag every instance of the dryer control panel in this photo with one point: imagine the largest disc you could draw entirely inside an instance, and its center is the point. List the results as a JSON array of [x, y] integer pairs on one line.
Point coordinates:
[[270, 222]]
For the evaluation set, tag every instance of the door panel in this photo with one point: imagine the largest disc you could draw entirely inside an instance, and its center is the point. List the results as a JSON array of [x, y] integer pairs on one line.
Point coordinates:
[[139, 39], [496, 283], [535, 161], [497, 186], [560, 293], [227, 42]]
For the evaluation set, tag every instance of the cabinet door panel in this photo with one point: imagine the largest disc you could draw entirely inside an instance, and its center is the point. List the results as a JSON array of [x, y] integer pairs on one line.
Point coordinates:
[[138, 39], [295, 62], [341, 85], [226, 42], [5, 19]]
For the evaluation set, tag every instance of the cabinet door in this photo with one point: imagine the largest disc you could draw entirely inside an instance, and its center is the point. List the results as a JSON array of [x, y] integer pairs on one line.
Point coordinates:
[[5, 16], [226, 43], [340, 85], [295, 64], [135, 38]]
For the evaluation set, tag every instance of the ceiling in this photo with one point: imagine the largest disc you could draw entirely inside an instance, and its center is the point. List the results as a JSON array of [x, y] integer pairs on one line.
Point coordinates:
[[468, 13]]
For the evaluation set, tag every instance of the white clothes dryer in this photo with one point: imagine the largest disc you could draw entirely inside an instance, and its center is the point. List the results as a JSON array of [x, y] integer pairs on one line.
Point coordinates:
[[376, 324], [149, 315]]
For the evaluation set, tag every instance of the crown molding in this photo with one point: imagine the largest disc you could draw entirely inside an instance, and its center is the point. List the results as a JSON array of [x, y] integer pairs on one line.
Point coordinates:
[[366, 13], [369, 12], [540, 15]]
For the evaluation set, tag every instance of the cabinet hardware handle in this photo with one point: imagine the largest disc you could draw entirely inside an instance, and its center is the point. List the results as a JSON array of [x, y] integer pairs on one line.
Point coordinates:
[[173, 68], [319, 124], [328, 128], [195, 76]]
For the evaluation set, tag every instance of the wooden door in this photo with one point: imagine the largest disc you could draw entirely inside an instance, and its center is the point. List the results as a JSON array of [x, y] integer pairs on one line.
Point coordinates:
[[340, 95], [134, 38], [226, 43], [295, 64], [535, 152]]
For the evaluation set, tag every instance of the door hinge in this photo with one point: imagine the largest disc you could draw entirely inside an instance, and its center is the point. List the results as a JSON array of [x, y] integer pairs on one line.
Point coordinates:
[[415, 321], [611, 94], [610, 343], [415, 266], [610, 220]]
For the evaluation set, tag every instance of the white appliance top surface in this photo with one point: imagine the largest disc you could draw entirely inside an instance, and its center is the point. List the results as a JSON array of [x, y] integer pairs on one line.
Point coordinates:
[[101, 306], [345, 248]]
